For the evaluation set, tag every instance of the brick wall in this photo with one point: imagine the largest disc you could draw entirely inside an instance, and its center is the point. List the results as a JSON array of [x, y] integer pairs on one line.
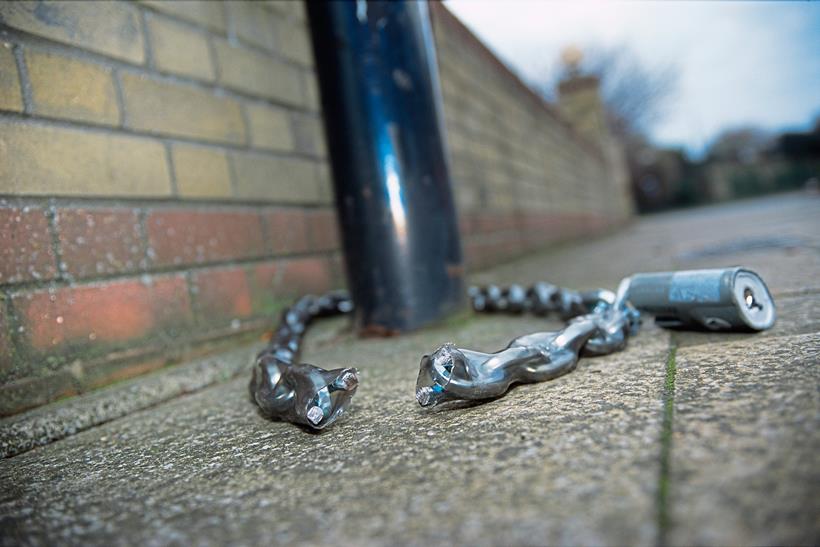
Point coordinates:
[[163, 185], [164, 188], [526, 175]]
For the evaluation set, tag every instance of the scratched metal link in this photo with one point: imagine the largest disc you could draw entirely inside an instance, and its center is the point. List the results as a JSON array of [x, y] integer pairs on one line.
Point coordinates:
[[296, 392], [599, 323]]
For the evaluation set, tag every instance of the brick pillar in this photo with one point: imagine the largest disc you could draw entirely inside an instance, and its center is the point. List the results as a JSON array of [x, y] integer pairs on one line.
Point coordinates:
[[579, 98]]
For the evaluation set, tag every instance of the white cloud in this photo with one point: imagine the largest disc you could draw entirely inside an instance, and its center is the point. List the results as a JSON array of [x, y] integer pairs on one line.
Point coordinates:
[[739, 63]]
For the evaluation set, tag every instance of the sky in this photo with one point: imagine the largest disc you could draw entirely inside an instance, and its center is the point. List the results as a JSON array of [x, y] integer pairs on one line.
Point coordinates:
[[738, 63]]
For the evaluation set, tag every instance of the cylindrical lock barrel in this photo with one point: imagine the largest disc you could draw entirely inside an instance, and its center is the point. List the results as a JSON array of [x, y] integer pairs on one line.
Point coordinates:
[[719, 299], [382, 109]]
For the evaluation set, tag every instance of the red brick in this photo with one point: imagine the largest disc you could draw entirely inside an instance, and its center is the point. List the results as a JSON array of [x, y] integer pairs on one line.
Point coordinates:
[[6, 350], [573, 225], [337, 270], [101, 313], [287, 230], [323, 229], [466, 223], [222, 294], [264, 282], [277, 283], [494, 222], [293, 277], [305, 275], [539, 229], [25, 245], [100, 241], [473, 255], [481, 252], [508, 221], [196, 237]]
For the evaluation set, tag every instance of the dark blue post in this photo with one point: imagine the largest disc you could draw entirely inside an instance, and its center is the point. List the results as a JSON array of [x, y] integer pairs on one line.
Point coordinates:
[[382, 108]]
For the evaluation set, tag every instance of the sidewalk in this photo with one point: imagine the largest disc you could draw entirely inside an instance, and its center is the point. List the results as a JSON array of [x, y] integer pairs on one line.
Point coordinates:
[[683, 438]]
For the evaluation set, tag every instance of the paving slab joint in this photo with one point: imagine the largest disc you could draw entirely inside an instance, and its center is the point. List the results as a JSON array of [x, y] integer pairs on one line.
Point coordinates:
[[664, 520]]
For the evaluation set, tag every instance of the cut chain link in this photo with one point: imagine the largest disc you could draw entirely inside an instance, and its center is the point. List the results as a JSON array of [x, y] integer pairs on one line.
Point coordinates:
[[296, 392]]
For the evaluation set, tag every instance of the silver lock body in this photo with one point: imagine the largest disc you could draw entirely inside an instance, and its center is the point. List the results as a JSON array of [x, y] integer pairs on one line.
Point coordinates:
[[728, 299]]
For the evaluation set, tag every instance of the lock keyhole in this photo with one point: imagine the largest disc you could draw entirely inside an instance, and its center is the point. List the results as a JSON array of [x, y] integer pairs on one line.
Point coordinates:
[[750, 300]]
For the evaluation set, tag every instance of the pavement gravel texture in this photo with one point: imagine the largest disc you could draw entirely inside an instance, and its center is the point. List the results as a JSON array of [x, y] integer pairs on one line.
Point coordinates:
[[683, 438]]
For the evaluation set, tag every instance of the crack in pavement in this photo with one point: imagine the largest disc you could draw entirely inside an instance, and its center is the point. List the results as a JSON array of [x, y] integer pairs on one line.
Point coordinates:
[[664, 516]]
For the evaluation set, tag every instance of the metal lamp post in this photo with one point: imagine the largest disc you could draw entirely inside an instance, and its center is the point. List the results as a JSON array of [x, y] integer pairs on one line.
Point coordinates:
[[382, 108]]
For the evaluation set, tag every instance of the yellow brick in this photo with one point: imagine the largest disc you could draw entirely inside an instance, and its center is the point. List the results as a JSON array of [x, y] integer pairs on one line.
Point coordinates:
[[312, 99], [179, 49], [201, 172], [110, 28], [293, 9], [258, 74], [10, 96], [173, 109], [270, 127], [251, 22], [271, 178], [309, 134], [206, 13], [321, 144], [466, 196], [325, 182], [41, 160], [294, 42], [68, 88]]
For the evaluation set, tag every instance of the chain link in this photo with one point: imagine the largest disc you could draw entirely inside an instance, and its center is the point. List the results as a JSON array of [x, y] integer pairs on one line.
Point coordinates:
[[286, 342], [540, 299], [298, 392], [599, 323]]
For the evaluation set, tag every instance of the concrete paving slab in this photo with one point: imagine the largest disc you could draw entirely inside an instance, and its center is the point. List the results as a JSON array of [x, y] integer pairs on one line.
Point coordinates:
[[57, 421], [584, 459], [653, 243], [744, 467], [64, 418], [564, 462]]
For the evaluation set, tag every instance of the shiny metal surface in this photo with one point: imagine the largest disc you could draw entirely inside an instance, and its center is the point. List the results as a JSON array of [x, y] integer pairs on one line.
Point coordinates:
[[726, 299], [301, 393], [601, 324], [381, 105]]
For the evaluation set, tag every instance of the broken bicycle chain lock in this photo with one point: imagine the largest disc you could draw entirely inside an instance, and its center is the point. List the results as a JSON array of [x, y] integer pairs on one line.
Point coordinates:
[[598, 323]]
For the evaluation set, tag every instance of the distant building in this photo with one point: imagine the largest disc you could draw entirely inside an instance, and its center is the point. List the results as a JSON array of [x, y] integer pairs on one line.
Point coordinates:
[[737, 168]]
